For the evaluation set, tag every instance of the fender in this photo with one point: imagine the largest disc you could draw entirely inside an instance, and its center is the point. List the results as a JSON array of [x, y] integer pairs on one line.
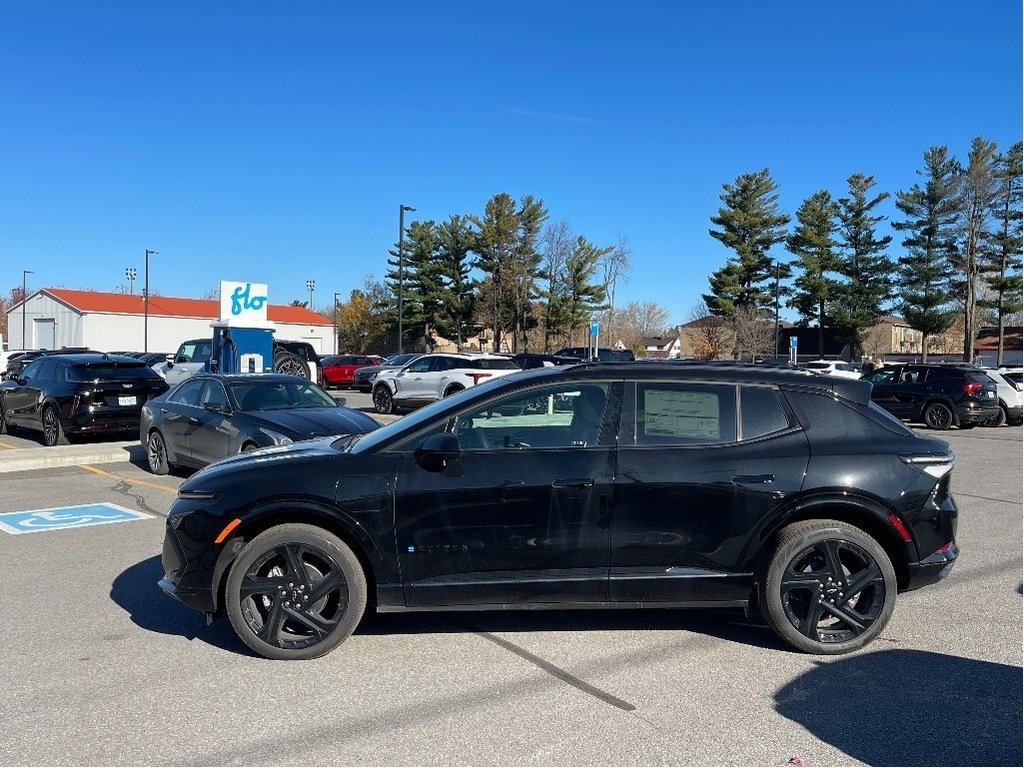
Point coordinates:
[[312, 511]]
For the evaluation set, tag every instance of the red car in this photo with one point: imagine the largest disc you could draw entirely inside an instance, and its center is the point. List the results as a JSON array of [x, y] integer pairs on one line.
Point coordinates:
[[338, 370]]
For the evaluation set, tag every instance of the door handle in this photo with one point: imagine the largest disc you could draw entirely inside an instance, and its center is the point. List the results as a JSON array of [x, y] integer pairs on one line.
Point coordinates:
[[578, 482], [193, 420], [753, 479]]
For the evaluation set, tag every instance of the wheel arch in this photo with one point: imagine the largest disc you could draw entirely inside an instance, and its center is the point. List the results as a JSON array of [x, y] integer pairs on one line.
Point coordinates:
[[865, 514], [329, 519]]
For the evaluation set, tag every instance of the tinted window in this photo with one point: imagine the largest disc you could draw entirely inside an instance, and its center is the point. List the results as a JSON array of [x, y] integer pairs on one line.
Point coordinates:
[[279, 395], [671, 414], [214, 395], [108, 370], [420, 366], [494, 364], [761, 413], [194, 352], [32, 370], [187, 393], [562, 416], [48, 371]]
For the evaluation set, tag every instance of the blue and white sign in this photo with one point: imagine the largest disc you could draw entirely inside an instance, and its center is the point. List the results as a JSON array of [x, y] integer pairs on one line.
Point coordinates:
[[593, 329], [792, 342], [243, 303], [58, 518]]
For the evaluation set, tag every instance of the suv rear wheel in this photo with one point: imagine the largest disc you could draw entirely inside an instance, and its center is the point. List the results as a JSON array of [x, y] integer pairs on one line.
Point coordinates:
[[829, 587], [938, 416], [288, 362]]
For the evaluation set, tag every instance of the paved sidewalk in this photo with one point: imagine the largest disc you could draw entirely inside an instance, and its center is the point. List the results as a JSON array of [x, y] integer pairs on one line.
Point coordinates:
[[23, 459]]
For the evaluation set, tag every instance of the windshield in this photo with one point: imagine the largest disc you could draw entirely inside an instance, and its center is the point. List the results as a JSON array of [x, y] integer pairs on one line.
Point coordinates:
[[278, 395]]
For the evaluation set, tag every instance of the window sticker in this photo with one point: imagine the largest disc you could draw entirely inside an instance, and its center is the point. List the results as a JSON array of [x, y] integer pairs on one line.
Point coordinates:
[[692, 415]]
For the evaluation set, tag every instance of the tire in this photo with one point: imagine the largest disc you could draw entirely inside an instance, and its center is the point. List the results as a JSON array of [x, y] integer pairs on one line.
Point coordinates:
[[53, 430], [287, 362], [3, 422], [247, 447], [999, 419], [452, 390], [807, 581], [295, 592], [938, 416], [383, 402], [156, 454]]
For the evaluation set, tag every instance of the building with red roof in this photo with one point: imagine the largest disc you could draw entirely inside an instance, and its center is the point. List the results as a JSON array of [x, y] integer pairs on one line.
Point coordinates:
[[109, 322]]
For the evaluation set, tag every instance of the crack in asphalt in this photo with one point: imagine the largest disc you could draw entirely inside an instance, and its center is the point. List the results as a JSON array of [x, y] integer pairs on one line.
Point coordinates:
[[125, 488], [558, 672]]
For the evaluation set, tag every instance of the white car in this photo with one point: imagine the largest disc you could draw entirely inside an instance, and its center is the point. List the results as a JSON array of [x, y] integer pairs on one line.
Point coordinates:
[[1011, 396], [431, 377], [839, 368]]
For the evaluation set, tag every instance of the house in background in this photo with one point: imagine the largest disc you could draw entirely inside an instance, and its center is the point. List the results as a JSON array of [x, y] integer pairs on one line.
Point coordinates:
[[60, 317], [986, 345], [661, 347]]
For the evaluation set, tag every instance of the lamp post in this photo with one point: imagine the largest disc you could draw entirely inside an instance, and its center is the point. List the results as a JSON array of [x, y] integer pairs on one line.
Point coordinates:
[[778, 267], [145, 304], [335, 322], [311, 286], [401, 266], [130, 273], [24, 301]]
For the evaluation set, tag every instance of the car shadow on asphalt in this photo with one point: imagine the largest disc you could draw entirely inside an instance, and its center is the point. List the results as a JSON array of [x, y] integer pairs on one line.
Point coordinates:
[[730, 625], [135, 590], [908, 707]]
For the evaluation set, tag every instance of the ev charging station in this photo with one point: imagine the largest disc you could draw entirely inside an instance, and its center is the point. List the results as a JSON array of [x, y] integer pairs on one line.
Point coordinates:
[[243, 338]]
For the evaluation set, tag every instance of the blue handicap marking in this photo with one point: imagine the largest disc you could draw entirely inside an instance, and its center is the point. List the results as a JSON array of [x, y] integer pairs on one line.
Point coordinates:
[[38, 520]]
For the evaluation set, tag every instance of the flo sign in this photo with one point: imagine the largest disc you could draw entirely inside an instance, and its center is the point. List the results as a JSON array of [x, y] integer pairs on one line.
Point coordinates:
[[243, 303]]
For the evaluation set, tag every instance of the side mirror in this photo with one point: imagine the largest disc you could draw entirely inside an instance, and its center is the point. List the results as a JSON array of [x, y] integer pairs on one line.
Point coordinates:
[[169, 359], [437, 450]]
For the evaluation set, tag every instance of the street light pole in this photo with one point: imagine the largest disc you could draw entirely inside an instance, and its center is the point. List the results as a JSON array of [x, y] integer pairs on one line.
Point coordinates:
[[145, 304], [130, 273], [311, 286], [24, 301], [401, 266], [335, 322], [777, 268]]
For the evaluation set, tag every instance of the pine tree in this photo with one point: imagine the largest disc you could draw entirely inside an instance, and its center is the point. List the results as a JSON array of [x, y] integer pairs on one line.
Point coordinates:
[[751, 224], [863, 263], [926, 270], [813, 244], [494, 244], [583, 294], [454, 243], [1001, 265]]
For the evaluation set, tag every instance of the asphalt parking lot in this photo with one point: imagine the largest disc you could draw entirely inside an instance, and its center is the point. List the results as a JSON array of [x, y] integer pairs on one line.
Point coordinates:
[[99, 667]]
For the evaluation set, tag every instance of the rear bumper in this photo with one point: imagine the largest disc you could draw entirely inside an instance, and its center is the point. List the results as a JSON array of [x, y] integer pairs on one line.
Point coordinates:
[[933, 568], [975, 413], [103, 420]]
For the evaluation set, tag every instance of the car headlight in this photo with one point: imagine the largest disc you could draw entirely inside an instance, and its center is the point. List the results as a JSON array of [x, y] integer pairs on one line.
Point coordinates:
[[276, 437]]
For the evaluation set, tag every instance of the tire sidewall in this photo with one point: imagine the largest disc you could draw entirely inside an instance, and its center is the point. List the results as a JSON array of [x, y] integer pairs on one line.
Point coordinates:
[[164, 467], [306, 534], [810, 533], [948, 419], [386, 406]]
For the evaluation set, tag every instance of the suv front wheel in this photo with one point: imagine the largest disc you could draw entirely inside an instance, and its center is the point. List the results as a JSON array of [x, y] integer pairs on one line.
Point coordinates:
[[383, 402]]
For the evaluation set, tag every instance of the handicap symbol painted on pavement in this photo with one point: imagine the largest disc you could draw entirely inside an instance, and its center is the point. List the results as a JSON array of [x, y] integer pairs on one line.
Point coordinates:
[[57, 518]]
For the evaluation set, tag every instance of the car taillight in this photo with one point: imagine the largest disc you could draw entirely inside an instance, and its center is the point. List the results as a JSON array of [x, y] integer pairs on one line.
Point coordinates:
[[477, 376], [972, 388]]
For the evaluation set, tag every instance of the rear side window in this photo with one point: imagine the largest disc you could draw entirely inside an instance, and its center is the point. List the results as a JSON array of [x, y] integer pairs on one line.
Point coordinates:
[[685, 414], [494, 364], [761, 413]]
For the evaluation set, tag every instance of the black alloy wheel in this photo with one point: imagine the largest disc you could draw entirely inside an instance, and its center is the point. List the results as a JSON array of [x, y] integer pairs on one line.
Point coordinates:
[[452, 390], [156, 454], [295, 592], [53, 430], [938, 416], [999, 419], [382, 400], [829, 587]]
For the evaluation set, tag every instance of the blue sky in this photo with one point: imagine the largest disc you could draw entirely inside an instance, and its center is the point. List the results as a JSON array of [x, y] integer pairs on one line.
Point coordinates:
[[274, 142]]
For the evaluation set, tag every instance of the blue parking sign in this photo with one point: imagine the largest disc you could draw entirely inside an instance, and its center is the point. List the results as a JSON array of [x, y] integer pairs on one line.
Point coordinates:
[[58, 518]]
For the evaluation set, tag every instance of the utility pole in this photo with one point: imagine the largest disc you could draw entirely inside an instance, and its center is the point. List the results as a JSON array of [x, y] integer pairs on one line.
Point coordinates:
[[24, 302], [402, 208], [145, 305]]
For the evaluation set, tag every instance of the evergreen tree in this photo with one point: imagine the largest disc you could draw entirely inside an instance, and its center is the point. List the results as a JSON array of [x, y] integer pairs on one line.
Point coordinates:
[[494, 244], [814, 246], [926, 270], [583, 294], [454, 243], [427, 293], [863, 263], [750, 224], [526, 269], [1001, 265]]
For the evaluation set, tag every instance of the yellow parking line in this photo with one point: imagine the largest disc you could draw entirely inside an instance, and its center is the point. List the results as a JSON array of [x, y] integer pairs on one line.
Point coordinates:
[[7, 445], [133, 481]]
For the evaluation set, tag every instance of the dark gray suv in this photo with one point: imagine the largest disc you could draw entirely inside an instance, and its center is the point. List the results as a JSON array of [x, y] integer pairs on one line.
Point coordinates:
[[940, 396]]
